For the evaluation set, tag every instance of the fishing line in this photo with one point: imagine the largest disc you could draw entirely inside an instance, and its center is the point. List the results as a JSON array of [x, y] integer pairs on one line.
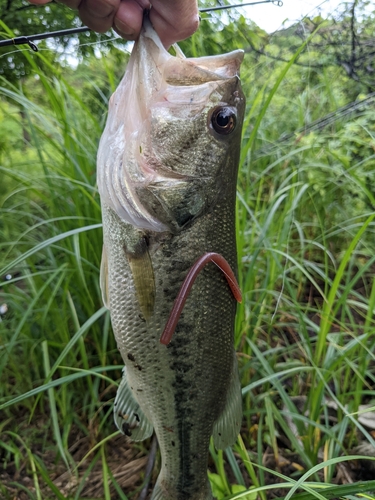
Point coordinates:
[[330, 118], [100, 42], [29, 40], [278, 3], [7, 54]]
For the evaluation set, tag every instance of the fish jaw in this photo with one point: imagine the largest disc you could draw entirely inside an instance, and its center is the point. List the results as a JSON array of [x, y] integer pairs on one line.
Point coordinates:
[[160, 93]]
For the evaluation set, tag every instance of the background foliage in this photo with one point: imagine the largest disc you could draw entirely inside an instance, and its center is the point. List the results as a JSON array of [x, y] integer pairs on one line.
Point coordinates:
[[305, 331], [25, 19]]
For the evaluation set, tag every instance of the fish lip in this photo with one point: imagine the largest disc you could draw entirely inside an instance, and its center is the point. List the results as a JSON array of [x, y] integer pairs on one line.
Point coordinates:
[[224, 65], [180, 70]]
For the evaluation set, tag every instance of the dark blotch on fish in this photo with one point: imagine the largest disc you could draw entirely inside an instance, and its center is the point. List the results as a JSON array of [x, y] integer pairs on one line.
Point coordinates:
[[126, 429], [137, 247]]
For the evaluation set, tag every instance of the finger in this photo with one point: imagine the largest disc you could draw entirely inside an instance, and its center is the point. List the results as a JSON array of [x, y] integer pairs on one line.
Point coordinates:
[[174, 20], [128, 19], [98, 14]]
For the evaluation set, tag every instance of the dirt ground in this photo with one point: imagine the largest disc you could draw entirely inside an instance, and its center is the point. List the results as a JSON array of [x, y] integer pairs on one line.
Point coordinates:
[[128, 463]]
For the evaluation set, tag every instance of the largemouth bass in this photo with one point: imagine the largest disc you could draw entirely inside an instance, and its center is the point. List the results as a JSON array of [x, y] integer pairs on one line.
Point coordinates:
[[167, 171]]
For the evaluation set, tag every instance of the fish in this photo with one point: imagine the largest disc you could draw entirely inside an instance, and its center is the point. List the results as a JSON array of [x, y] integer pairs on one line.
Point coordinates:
[[167, 168]]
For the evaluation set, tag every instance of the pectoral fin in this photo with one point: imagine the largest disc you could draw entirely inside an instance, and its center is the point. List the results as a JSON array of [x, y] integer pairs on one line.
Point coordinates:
[[104, 278], [143, 275], [227, 426], [128, 416]]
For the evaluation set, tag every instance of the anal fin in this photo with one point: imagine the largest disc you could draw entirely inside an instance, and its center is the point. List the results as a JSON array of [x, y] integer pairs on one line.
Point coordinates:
[[227, 426], [128, 416]]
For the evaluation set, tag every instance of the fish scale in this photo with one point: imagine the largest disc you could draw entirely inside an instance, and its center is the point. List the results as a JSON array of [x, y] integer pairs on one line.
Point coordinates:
[[184, 411], [187, 390]]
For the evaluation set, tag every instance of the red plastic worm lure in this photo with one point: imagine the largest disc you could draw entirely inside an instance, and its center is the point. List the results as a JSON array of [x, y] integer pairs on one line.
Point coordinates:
[[188, 282]]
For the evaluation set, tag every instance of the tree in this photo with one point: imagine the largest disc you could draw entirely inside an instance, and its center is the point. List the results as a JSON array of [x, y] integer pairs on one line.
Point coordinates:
[[346, 40], [25, 19]]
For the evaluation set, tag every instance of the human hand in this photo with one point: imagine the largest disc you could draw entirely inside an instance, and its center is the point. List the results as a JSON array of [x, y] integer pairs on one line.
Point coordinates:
[[173, 20]]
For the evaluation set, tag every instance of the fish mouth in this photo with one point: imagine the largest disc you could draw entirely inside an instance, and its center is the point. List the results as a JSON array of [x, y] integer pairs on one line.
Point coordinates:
[[154, 80], [196, 71], [161, 75], [178, 70]]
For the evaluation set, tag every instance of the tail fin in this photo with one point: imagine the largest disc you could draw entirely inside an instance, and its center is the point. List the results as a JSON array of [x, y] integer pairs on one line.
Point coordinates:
[[162, 491]]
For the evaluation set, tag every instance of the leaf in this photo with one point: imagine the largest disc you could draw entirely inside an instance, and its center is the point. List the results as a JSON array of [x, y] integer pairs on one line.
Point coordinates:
[[238, 488]]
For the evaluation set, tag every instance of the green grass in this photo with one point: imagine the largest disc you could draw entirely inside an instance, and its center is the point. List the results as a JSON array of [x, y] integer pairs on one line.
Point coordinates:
[[304, 332]]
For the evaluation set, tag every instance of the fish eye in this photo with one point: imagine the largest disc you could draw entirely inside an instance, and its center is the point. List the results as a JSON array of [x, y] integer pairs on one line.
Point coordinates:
[[224, 120]]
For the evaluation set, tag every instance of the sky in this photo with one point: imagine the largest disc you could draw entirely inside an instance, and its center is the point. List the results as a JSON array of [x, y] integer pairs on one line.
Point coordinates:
[[270, 17]]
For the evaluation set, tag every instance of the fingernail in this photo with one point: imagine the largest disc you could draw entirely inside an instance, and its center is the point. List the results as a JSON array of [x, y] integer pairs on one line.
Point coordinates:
[[123, 29]]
